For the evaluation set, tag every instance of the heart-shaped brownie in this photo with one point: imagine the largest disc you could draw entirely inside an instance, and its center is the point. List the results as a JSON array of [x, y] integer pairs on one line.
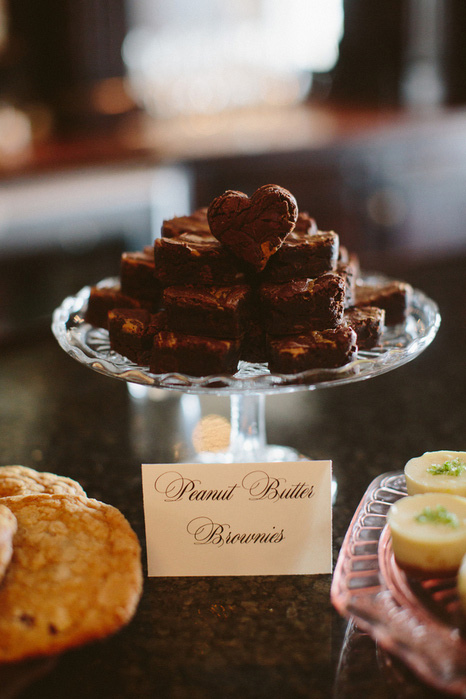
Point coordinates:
[[253, 227]]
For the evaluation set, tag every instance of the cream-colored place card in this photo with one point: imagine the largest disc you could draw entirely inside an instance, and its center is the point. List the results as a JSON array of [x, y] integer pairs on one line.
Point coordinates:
[[238, 519]]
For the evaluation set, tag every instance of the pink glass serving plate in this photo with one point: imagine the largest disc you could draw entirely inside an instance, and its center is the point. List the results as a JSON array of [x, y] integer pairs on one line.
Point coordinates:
[[418, 621]]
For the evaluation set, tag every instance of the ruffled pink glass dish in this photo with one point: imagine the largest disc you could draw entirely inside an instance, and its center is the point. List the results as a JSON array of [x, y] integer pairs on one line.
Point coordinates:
[[420, 622]]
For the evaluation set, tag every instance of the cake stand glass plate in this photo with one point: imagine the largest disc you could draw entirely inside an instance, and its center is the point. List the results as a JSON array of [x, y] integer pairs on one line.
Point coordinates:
[[399, 345], [419, 622], [247, 388]]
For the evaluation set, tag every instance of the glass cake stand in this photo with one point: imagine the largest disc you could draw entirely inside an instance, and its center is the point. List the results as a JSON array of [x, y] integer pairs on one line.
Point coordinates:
[[249, 386]]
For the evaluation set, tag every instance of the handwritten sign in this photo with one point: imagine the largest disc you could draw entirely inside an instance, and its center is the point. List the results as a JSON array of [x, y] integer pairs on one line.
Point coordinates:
[[238, 519]]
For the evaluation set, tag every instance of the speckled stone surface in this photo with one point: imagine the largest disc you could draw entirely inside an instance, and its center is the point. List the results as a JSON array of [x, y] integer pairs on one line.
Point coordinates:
[[230, 637]]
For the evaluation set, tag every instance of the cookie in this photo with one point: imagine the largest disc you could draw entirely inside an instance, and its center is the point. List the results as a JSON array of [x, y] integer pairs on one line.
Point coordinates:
[[254, 227], [7, 532], [75, 575], [22, 480]]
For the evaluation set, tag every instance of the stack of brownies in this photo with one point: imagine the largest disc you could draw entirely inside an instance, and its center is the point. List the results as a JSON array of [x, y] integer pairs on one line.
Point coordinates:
[[246, 279]]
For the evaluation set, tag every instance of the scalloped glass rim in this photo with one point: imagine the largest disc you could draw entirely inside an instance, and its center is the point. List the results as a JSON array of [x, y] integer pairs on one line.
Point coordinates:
[[400, 344], [418, 621]]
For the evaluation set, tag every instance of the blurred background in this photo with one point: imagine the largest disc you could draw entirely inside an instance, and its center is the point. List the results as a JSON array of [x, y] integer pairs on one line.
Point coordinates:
[[116, 114]]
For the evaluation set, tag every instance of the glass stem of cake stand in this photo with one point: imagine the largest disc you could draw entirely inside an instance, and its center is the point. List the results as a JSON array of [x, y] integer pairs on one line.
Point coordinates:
[[248, 441], [248, 433]]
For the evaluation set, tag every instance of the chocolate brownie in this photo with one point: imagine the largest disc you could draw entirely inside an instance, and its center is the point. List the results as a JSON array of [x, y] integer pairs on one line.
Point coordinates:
[[131, 332], [253, 228], [253, 345], [305, 224], [194, 259], [137, 276], [102, 299], [193, 355], [304, 304], [324, 349], [394, 297], [349, 270], [368, 323], [212, 311], [303, 255], [195, 223]]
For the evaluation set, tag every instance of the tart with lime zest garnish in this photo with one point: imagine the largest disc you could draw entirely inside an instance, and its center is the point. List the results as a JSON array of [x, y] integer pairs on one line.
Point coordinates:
[[437, 471], [428, 533]]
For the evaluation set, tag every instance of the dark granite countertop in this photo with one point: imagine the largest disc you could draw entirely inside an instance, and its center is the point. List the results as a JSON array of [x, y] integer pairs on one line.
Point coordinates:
[[244, 636]]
